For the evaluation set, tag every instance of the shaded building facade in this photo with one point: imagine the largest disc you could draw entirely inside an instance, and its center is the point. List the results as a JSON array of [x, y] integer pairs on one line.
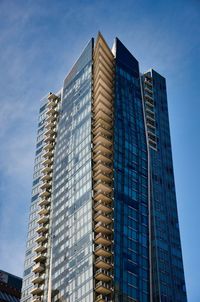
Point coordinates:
[[10, 287], [103, 220]]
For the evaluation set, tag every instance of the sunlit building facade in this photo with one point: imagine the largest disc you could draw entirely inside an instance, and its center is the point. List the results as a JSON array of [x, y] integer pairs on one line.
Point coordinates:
[[103, 222]]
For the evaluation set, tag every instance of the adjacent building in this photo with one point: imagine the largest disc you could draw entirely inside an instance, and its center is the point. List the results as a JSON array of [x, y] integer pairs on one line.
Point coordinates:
[[103, 220], [10, 287]]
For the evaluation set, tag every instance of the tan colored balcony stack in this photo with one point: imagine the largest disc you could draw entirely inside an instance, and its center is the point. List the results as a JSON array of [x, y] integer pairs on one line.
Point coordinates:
[[45, 199], [102, 129]]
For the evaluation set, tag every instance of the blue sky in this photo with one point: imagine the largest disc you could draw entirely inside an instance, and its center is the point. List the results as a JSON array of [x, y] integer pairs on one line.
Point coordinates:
[[39, 41]]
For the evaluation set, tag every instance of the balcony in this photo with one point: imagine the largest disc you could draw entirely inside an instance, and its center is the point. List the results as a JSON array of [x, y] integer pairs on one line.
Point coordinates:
[[48, 154], [36, 299], [40, 258], [102, 239], [43, 219], [102, 71], [148, 81], [102, 124], [101, 195], [46, 177], [45, 193], [100, 165], [102, 206], [52, 97], [103, 217], [49, 138], [103, 263], [44, 202], [47, 161], [100, 175], [103, 275], [37, 290], [40, 248], [101, 250], [100, 298], [46, 185], [41, 238], [103, 186], [103, 156], [102, 106], [50, 131], [44, 210], [148, 89], [148, 97], [102, 95], [49, 146], [51, 118], [101, 227], [38, 268], [103, 288], [103, 115], [46, 169], [103, 148], [38, 279], [105, 139], [42, 229], [100, 128], [51, 110]]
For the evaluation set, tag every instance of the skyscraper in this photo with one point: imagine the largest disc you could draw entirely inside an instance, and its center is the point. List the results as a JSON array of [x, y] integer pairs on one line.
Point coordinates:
[[103, 220], [10, 287]]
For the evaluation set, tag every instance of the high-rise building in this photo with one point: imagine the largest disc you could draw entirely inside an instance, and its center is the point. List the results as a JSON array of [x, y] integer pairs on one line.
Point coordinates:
[[10, 287], [103, 220]]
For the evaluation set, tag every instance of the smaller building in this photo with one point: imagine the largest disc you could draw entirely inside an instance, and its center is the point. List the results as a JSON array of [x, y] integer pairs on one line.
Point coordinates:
[[10, 287]]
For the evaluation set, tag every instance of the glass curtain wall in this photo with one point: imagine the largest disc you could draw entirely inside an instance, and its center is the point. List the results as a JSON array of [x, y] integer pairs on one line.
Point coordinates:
[[72, 272]]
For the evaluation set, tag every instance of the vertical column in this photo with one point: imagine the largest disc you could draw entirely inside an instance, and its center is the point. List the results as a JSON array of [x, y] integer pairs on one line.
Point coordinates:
[[103, 74]]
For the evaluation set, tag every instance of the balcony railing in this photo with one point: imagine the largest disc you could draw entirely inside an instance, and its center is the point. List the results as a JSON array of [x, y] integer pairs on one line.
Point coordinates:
[[103, 239], [103, 288], [101, 250], [103, 228], [102, 262], [102, 206]]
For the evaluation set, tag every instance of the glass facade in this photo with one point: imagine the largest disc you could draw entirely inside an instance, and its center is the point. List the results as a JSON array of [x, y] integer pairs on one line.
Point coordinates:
[[131, 255], [72, 272], [103, 223], [168, 275]]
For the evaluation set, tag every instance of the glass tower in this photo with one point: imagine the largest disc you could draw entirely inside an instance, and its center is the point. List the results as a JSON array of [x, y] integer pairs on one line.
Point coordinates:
[[103, 223]]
